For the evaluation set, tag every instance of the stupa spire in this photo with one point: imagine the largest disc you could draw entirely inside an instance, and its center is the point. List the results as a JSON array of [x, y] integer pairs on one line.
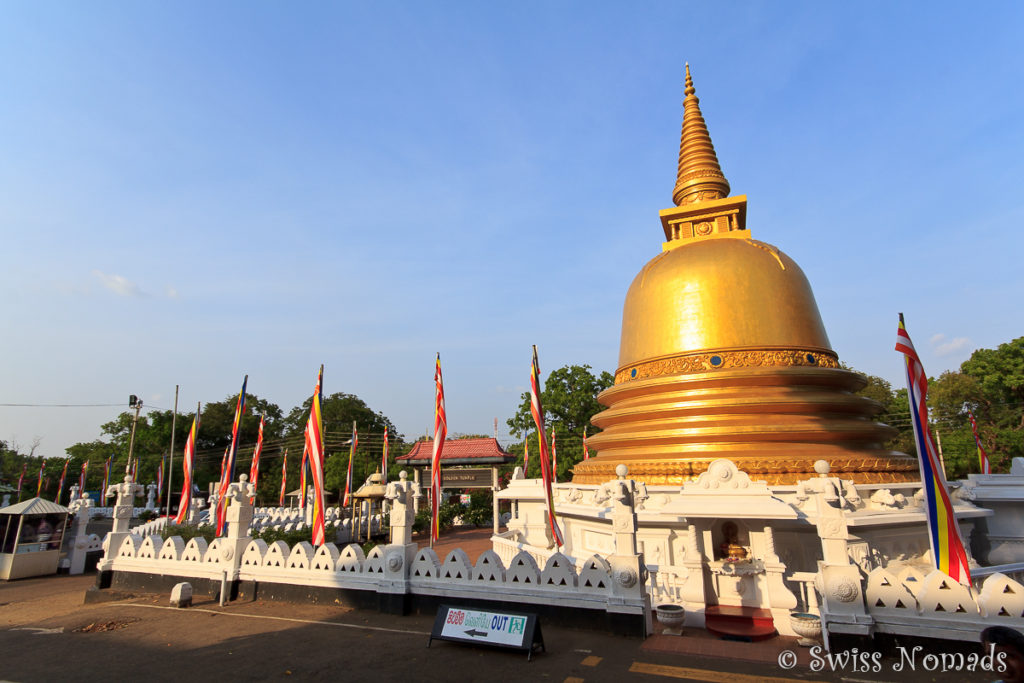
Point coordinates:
[[700, 178]]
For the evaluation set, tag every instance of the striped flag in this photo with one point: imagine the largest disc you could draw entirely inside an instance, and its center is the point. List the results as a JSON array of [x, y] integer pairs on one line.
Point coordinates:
[[944, 533], [284, 479], [586, 453], [188, 462], [81, 479], [384, 458], [106, 475], [353, 444], [545, 465], [554, 458], [254, 468], [315, 446], [135, 470], [440, 433], [229, 467], [160, 481], [60, 486], [526, 453], [302, 478], [39, 484], [982, 455]]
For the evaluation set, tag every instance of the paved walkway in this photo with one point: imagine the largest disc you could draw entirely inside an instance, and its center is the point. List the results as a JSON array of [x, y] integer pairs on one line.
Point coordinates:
[[47, 634], [473, 540]]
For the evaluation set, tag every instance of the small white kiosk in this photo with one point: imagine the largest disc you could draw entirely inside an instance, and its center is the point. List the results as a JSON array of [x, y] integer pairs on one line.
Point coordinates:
[[31, 533]]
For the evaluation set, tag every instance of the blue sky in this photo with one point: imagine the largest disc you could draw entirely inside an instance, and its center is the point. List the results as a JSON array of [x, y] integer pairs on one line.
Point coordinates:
[[190, 192]]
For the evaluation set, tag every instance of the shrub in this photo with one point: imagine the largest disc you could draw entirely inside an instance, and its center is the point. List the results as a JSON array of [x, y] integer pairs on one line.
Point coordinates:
[[270, 535], [188, 532]]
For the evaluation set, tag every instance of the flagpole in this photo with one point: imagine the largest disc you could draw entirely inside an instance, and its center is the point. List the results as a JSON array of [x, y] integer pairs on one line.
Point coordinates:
[[170, 467], [131, 442]]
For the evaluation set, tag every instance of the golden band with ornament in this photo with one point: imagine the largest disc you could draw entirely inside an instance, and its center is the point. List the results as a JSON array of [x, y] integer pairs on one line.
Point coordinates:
[[720, 360], [773, 471]]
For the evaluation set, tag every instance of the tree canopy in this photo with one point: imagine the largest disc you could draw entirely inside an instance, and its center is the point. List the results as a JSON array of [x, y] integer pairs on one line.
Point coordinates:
[[569, 398]]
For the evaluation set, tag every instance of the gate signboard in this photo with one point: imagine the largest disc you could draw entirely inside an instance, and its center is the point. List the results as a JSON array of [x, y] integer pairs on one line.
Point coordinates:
[[466, 478]]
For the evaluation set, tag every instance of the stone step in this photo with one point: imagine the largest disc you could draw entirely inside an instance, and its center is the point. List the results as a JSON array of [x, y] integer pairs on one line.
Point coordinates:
[[739, 623]]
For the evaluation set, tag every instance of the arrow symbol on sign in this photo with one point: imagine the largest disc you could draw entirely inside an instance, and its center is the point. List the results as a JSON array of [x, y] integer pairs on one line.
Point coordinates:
[[473, 632]]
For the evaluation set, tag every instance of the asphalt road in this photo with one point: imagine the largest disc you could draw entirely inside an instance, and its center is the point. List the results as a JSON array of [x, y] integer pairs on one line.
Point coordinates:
[[48, 634]]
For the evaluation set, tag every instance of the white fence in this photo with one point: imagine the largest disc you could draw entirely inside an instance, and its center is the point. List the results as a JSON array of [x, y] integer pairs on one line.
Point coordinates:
[[521, 580], [935, 606]]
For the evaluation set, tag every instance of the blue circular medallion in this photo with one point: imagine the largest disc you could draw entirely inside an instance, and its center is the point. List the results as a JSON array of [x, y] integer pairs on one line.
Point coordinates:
[[716, 360], [632, 373], [811, 359]]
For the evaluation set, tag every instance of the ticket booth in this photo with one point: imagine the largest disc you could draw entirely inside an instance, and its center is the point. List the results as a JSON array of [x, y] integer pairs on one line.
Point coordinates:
[[31, 533]]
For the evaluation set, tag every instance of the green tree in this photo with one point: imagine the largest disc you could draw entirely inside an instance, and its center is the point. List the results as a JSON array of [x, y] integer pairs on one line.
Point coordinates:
[[339, 411], [569, 398], [998, 403]]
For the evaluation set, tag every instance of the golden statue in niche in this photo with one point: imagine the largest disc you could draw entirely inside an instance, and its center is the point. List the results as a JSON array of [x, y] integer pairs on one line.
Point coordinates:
[[724, 355]]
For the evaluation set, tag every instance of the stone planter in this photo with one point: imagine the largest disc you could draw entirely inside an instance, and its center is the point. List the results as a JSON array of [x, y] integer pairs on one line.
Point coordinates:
[[671, 618], [807, 626]]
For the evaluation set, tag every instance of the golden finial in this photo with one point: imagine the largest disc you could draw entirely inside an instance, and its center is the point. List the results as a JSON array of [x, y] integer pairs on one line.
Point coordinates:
[[699, 177]]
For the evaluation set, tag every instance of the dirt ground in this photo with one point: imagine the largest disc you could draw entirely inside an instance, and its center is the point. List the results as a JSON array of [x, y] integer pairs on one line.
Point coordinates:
[[47, 633]]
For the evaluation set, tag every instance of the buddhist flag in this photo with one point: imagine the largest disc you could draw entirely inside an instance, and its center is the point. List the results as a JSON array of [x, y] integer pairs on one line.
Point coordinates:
[[39, 485], [545, 465], [229, 467], [135, 470], [81, 479], [254, 468], [526, 453], [384, 458], [586, 453], [284, 479], [440, 433], [315, 446], [60, 485], [982, 455], [188, 462], [554, 458], [353, 444], [106, 475], [302, 477], [21, 478], [160, 481], [944, 533]]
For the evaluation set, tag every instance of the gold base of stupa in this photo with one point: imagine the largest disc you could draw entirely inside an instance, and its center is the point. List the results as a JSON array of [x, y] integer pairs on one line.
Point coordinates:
[[773, 422]]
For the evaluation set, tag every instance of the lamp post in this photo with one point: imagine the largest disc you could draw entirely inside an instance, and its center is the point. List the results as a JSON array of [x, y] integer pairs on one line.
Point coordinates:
[[133, 402]]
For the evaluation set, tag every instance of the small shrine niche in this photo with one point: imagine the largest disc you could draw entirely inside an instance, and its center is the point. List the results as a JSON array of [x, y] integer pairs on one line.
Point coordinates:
[[731, 542]]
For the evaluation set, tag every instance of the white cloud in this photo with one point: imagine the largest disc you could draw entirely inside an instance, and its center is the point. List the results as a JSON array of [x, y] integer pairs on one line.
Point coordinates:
[[948, 348], [117, 284]]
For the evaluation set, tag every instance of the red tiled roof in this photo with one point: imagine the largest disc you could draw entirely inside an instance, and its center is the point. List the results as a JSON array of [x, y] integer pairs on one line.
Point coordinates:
[[469, 450]]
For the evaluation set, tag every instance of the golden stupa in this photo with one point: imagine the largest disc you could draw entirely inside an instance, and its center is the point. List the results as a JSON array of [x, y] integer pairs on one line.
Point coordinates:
[[724, 355]]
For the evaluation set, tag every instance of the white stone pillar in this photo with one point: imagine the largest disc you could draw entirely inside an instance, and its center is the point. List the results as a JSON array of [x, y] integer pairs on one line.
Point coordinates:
[[838, 580], [195, 507], [238, 517], [126, 493], [629, 573], [81, 508]]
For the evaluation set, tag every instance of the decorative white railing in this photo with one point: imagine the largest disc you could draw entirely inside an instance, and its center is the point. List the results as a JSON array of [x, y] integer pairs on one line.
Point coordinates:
[[934, 605], [521, 580]]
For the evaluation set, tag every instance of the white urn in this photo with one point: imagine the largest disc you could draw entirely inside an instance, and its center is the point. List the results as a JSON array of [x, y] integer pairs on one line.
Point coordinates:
[[807, 626], [671, 617]]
